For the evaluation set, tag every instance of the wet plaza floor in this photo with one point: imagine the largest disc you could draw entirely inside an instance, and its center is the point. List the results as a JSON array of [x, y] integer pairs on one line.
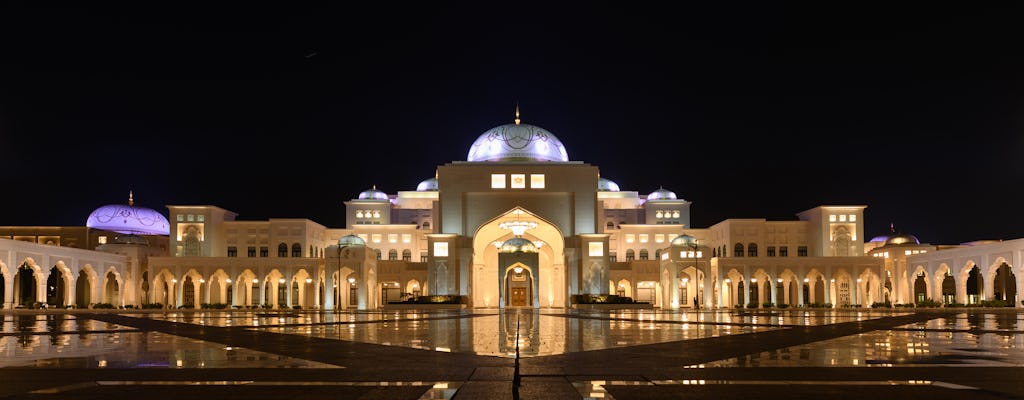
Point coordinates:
[[484, 354]]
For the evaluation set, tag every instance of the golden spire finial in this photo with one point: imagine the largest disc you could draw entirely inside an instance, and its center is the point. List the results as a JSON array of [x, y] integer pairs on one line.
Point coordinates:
[[131, 201], [517, 113]]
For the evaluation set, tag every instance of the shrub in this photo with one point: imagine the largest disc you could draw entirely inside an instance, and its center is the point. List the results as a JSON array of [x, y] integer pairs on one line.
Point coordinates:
[[103, 306], [877, 304], [929, 303], [768, 305], [147, 306], [602, 299], [783, 305]]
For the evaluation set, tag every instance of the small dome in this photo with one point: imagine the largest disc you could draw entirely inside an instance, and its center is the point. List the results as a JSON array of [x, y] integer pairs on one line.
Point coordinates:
[[517, 142], [351, 240], [606, 185], [129, 219], [518, 245], [429, 185], [879, 239], [373, 194], [661, 194], [901, 239], [684, 240]]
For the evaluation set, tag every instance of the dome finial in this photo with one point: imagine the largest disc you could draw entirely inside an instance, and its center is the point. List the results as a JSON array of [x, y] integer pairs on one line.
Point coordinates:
[[517, 113], [892, 228], [131, 201]]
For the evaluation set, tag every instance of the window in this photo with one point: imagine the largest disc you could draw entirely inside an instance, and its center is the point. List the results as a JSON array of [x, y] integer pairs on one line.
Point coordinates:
[[659, 238], [518, 181], [783, 251], [853, 217], [659, 214], [536, 181], [643, 254], [657, 254], [770, 251], [296, 250], [264, 251], [596, 249], [630, 255], [801, 251], [610, 225], [232, 251], [282, 250], [101, 240], [738, 250], [497, 181], [752, 250], [630, 238], [406, 255], [180, 218], [440, 249], [200, 217], [191, 217], [611, 256], [643, 238], [831, 218], [251, 251], [392, 238], [842, 218], [364, 237], [393, 255], [675, 214], [376, 237], [406, 238], [376, 253]]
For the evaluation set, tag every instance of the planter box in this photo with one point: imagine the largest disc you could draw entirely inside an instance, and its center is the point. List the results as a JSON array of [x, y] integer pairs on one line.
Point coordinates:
[[423, 306], [613, 306]]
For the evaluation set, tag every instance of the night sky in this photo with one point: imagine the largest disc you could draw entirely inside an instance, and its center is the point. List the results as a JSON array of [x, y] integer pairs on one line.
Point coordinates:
[[748, 110]]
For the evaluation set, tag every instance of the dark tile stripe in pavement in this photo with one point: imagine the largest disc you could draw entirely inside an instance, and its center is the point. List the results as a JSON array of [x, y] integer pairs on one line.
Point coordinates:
[[665, 360], [362, 361]]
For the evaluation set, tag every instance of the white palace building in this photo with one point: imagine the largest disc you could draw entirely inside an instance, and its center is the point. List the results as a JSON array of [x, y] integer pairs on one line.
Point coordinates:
[[515, 225]]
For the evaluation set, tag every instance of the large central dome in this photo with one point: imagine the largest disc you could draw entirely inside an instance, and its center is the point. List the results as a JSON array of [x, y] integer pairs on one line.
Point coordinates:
[[517, 142]]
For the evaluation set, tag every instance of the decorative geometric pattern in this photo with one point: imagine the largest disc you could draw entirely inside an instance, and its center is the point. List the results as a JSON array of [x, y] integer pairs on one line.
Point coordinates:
[[521, 142], [123, 218]]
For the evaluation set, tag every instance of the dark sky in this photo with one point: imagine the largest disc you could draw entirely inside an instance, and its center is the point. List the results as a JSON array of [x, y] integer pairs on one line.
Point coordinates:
[[749, 110]]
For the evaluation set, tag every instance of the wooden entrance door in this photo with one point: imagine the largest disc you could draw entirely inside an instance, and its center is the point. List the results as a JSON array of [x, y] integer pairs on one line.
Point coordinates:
[[518, 297]]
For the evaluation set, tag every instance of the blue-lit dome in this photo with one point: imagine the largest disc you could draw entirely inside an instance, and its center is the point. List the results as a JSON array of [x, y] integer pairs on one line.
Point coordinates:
[[373, 194], [661, 194], [879, 239], [684, 240], [518, 245], [351, 240], [429, 185], [605, 185], [129, 219], [517, 142]]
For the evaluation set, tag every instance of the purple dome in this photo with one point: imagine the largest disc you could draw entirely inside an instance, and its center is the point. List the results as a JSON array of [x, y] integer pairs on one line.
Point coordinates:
[[129, 219]]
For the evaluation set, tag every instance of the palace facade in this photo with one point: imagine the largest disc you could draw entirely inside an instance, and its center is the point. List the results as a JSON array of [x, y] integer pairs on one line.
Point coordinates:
[[515, 225]]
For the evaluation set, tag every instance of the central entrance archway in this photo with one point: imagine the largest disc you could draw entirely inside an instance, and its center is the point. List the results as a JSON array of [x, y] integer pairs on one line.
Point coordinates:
[[519, 286], [545, 278]]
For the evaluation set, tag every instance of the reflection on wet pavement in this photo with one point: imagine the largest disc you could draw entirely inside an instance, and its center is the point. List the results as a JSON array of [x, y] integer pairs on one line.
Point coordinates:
[[961, 340], [133, 350]]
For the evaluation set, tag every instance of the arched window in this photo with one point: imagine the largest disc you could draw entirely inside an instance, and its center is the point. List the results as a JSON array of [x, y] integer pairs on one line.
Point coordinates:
[[312, 252], [406, 255], [393, 255], [643, 254], [630, 255], [296, 250], [191, 247], [610, 225], [738, 250], [752, 250], [657, 254], [377, 252], [282, 250], [426, 224]]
